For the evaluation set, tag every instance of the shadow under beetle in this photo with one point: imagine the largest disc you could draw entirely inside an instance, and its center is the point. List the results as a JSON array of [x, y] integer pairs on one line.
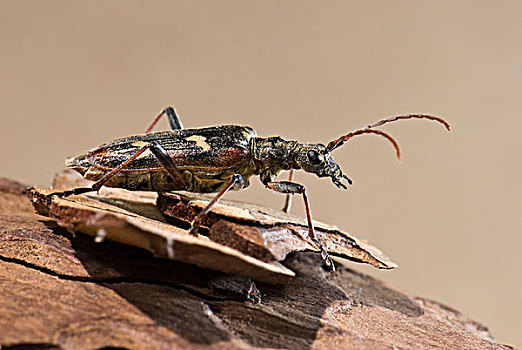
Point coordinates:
[[215, 160]]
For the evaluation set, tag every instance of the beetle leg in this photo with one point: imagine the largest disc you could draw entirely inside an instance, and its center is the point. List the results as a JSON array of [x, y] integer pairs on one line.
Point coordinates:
[[174, 121], [288, 200], [164, 159], [98, 184], [236, 181], [291, 188], [157, 150]]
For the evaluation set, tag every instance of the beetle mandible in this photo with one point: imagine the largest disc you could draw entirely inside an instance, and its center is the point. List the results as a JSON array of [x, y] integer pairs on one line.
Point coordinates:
[[215, 160]]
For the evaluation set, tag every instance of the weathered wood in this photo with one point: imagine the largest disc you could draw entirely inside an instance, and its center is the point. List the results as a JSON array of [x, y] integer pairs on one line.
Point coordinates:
[[64, 291], [265, 233], [106, 221]]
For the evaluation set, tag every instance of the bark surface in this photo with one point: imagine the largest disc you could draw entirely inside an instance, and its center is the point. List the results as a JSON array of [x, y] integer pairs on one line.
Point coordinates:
[[61, 290]]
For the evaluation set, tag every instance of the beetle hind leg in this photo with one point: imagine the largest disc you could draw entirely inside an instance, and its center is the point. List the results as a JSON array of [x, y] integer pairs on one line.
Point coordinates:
[[156, 149], [174, 120]]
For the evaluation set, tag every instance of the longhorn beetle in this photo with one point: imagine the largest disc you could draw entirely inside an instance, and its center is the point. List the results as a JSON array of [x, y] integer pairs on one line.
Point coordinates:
[[214, 160]]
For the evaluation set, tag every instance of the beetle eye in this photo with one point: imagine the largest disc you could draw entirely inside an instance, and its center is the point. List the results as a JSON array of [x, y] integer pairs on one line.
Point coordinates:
[[314, 157]]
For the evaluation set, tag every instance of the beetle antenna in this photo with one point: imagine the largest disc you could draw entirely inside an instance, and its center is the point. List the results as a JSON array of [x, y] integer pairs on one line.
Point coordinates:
[[409, 116], [337, 143], [368, 129]]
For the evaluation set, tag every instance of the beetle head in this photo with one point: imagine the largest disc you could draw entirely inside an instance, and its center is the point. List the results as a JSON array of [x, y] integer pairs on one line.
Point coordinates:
[[316, 159]]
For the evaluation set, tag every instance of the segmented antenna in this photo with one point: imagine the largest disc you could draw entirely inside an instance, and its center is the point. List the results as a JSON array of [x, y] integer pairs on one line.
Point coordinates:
[[409, 116], [339, 142], [368, 129]]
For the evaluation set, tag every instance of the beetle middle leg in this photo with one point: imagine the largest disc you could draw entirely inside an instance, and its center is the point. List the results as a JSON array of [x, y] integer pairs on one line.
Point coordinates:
[[157, 150], [291, 188], [236, 181]]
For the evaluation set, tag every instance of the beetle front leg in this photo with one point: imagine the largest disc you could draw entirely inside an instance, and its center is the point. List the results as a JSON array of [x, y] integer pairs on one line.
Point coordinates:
[[288, 199], [174, 120], [157, 150], [291, 188], [236, 181]]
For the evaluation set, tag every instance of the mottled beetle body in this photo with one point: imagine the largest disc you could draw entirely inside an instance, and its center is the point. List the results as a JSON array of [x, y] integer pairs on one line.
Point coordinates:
[[207, 158], [215, 159]]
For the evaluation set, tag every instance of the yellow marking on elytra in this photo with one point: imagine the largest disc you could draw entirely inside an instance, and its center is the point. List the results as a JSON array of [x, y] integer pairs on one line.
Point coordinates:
[[200, 141], [147, 153], [139, 144]]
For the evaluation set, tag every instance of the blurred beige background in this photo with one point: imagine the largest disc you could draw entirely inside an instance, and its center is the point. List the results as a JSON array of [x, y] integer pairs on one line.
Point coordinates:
[[76, 74]]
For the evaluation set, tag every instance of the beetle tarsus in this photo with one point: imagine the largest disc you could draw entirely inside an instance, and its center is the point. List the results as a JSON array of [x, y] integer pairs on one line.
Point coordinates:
[[194, 227]]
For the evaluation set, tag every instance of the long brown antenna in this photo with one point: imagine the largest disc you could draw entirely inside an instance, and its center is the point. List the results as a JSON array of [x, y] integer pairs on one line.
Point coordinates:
[[368, 129], [337, 143], [409, 116]]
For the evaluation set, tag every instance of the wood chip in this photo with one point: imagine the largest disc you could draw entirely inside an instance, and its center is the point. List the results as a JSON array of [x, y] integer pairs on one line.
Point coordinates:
[[264, 233]]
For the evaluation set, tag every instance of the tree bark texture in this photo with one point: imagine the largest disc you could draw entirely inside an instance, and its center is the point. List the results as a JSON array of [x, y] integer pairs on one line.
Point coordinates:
[[62, 290]]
